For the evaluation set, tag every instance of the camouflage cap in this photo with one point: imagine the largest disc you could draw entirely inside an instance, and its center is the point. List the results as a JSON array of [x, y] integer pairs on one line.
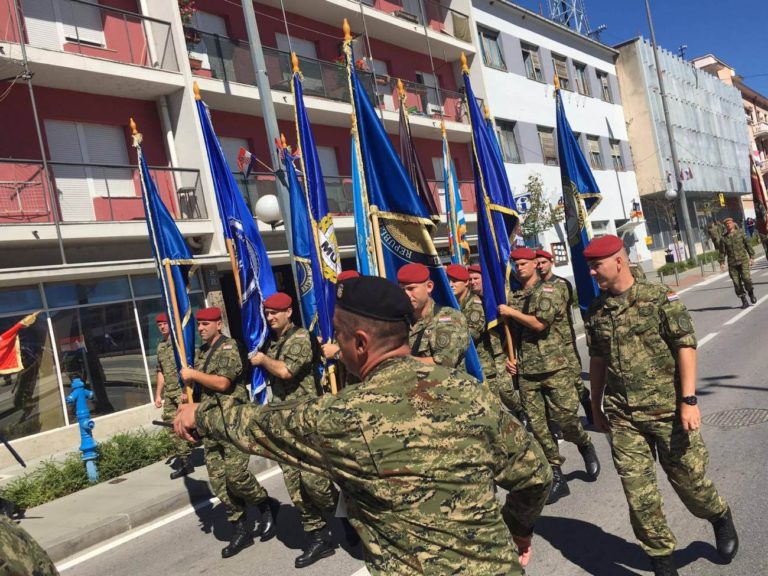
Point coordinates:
[[374, 297]]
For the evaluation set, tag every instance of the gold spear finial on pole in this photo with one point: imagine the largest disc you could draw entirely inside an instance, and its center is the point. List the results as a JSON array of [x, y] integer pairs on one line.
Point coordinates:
[[132, 124], [442, 127], [464, 66], [557, 82], [196, 90], [283, 140], [400, 89], [486, 111], [135, 135], [295, 62], [347, 31]]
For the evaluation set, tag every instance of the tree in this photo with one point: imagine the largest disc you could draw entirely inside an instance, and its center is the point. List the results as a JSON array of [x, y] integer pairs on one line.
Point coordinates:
[[540, 216]]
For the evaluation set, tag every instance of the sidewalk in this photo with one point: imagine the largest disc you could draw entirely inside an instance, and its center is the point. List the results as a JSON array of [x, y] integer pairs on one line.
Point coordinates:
[[71, 524]]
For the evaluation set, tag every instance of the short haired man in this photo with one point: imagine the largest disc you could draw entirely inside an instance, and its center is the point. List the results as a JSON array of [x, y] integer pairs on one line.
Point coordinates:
[[438, 334], [642, 349], [415, 454], [476, 279], [293, 365], [735, 246], [220, 372]]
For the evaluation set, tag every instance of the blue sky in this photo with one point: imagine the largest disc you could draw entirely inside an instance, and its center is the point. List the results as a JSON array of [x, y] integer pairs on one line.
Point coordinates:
[[734, 31]]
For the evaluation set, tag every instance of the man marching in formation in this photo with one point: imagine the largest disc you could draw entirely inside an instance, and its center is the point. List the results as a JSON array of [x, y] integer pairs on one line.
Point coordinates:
[[736, 247]]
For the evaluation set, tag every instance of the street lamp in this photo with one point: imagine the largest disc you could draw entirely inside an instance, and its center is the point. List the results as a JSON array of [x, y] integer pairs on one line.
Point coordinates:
[[267, 210]]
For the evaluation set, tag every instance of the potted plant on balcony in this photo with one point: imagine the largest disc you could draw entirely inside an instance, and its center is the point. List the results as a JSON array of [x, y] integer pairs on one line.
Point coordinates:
[[187, 11]]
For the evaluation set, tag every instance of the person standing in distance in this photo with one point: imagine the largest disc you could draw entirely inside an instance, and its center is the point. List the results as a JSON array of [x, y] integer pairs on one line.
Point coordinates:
[[735, 246], [642, 368], [476, 279]]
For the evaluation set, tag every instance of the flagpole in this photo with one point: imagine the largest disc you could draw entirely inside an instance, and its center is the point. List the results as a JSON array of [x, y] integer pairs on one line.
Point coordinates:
[[235, 271], [374, 212], [177, 323]]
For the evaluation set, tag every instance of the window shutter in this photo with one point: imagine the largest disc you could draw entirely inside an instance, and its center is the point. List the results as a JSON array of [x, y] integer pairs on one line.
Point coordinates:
[[561, 68], [40, 22], [106, 145], [71, 181], [82, 23]]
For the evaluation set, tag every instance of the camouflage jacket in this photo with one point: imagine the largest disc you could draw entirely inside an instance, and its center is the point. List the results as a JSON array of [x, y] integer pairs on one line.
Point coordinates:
[[715, 231], [294, 348], [442, 336], [417, 458], [564, 326], [736, 247], [637, 334], [166, 364], [545, 351], [20, 554], [487, 342], [226, 361]]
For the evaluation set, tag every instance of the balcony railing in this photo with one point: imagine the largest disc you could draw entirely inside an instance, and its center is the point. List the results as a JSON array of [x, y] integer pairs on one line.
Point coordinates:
[[219, 57], [92, 192], [431, 13], [760, 129], [91, 29]]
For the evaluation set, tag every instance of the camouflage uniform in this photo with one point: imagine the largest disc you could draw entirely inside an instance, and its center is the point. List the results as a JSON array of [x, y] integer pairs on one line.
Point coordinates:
[[546, 373], [310, 493], [566, 332], [20, 554], [172, 393], [764, 242], [715, 232], [490, 350], [228, 473], [637, 335], [440, 334], [738, 249], [416, 457]]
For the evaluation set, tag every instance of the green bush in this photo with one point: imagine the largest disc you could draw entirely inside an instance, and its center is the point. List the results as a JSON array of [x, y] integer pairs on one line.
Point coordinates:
[[119, 455], [669, 268]]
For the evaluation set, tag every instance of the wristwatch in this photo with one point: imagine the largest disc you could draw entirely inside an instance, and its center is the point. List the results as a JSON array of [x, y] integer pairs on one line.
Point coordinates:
[[690, 400]]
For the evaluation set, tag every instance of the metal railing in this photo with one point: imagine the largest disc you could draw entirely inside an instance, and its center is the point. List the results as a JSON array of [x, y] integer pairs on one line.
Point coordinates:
[[760, 128], [91, 29], [431, 13], [466, 191], [227, 59], [93, 192]]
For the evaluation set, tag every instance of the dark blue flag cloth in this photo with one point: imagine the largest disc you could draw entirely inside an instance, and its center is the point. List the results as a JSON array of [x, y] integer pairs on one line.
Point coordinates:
[[403, 218], [241, 232], [324, 250], [175, 265], [580, 195], [496, 211]]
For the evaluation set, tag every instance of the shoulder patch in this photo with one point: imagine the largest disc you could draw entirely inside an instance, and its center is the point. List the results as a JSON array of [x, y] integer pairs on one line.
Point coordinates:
[[477, 300], [547, 289], [444, 318], [672, 296], [226, 346]]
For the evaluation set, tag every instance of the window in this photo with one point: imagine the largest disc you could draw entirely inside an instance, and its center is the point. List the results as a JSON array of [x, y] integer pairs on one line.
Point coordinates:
[[605, 87], [429, 101], [531, 62], [506, 133], [548, 149], [582, 81], [79, 22], [618, 161], [489, 44], [595, 157], [561, 71]]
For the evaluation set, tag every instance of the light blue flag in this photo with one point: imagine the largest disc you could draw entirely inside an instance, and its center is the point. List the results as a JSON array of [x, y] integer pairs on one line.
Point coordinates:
[[241, 232], [454, 211], [363, 250]]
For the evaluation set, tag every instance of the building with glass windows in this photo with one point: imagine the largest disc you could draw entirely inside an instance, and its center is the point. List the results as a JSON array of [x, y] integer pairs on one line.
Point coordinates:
[[520, 54]]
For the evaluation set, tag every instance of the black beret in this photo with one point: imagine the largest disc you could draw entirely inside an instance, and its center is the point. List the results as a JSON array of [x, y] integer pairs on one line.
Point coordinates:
[[374, 297]]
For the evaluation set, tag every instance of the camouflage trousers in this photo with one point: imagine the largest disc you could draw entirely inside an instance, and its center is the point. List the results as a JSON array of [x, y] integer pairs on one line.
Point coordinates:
[[741, 277], [182, 449], [20, 553], [230, 479], [552, 395], [311, 494], [683, 457], [764, 242]]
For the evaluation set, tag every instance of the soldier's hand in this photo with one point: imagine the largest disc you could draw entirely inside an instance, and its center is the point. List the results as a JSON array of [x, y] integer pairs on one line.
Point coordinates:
[[523, 544], [751, 262], [722, 267], [187, 374], [184, 424], [511, 366], [505, 310], [690, 417], [257, 359], [600, 420], [330, 350], [158, 402]]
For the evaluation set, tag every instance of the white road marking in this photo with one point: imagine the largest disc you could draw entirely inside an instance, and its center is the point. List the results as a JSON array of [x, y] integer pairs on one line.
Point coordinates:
[[707, 338], [132, 535], [704, 282], [743, 313], [362, 572]]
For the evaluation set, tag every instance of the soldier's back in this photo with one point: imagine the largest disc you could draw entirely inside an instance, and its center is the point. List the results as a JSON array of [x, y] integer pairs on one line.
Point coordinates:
[[20, 554]]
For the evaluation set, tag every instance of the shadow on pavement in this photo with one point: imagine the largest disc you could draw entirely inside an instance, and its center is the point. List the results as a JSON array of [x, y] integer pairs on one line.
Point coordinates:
[[713, 308]]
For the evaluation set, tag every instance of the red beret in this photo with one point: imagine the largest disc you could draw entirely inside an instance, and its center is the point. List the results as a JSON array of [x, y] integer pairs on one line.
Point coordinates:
[[457, 272], [347, 274], [544, 254], [413, 274], [208, 314], [162, 317], [522, 254], [278, 301], [603, 247], [476, 269]]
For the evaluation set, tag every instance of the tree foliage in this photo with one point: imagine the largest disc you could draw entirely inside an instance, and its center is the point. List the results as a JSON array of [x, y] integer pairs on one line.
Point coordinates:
[[540, 215]]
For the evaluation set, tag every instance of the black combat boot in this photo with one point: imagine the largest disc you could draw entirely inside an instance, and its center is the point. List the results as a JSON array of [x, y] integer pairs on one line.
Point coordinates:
[[317, 548], [350, 534], [726, 539], [744, 303], [554, 429], [186, 468], [268, 510], [242, 537], [591, 463], [752, 297], [559, 487], [663, 566], [586, 404]]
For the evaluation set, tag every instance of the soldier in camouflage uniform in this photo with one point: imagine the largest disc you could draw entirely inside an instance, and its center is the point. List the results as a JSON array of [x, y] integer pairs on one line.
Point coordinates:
[[169, 395], [20, 554], [715, 231], [738, 249], [488, 342], [643, 360], [439, 334], [292, 363], [546, 377], [414, 452], [476, 279], [220, 372]]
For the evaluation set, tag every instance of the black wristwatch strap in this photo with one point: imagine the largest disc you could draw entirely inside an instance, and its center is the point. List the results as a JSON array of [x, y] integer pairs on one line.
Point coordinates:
[[691, 400]]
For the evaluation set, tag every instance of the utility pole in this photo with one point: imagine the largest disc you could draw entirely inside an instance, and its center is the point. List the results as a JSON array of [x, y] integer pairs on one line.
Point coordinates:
[[682, 202]]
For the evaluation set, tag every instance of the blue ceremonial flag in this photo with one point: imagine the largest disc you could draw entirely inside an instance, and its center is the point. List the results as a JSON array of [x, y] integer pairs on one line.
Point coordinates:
[[497, 214], [364, 243], [580, 195], [175, 265], [454, 211], [254, 274], [397, 212]]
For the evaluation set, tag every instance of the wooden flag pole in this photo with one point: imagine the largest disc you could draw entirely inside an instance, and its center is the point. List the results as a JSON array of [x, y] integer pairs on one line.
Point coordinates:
[[235, 271], [376, 233], [177, 322]]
